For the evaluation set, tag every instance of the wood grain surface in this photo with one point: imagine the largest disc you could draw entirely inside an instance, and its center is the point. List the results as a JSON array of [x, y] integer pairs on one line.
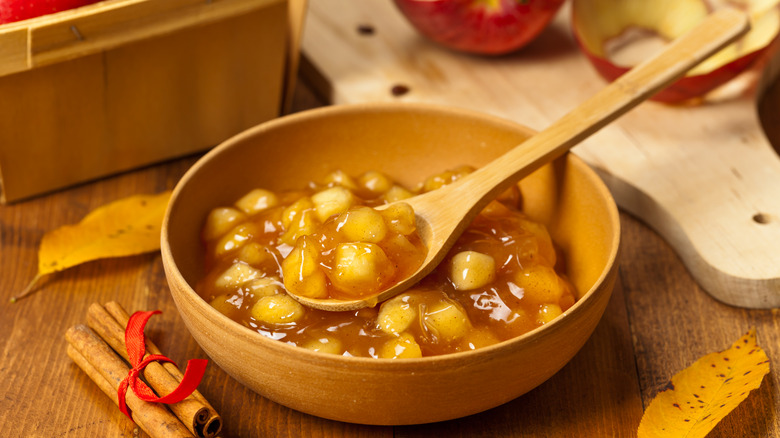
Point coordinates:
[[658, 322]]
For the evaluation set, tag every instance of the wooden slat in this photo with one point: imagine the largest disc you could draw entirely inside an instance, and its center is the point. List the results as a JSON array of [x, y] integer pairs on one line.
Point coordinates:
[[13, 49], [71, 34]]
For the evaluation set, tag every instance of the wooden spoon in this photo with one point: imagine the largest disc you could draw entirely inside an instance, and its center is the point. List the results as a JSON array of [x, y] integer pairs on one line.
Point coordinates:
[[443, 214]]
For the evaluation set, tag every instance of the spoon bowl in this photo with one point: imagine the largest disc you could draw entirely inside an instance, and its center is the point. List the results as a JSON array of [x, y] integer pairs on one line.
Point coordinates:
[[440, 227]]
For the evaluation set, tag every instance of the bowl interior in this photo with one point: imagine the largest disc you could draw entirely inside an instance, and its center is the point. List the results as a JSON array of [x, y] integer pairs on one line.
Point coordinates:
[[408, 142]]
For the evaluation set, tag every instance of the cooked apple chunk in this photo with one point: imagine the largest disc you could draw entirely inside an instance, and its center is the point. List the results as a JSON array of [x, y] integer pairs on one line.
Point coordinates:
[[401, 347], [332, 201], [277, 309], [396, 315], [375, 182], [324, 344], [540, 284], [400, 218], [235, 238], [220, 221], [362, 224], [236, 275], [471, 270], [361, 268], [301, 270], [446, 321], [256, 201], [396, 193]]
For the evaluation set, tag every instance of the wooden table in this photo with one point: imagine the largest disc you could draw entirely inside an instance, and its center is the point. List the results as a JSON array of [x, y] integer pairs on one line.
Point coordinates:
[[657, 323]]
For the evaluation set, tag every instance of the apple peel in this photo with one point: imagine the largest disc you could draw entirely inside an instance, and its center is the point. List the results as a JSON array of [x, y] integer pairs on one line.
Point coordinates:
[[615, 35]]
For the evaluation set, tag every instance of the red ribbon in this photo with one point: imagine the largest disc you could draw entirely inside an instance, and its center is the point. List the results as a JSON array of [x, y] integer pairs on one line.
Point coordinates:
[[136, 348]]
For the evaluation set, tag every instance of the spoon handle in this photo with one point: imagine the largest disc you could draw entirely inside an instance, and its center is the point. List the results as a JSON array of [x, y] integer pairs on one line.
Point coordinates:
[[715, 32]]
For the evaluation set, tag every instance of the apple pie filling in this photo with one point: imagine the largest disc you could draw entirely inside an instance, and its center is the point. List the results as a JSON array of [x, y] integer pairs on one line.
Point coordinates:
[[502, 278]]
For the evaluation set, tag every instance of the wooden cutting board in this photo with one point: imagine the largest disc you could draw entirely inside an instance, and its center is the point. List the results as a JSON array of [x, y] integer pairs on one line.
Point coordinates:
[[706, 177]]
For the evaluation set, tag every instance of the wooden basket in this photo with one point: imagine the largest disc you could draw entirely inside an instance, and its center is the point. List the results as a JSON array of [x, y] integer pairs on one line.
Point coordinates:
[[120, 84]]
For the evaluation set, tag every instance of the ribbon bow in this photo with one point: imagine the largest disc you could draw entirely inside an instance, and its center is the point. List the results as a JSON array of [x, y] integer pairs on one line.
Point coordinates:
[[136, 349]]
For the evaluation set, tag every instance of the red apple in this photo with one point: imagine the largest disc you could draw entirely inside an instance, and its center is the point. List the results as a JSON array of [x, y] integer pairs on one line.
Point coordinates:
[[18, 10], [615, 35], [489, 27]]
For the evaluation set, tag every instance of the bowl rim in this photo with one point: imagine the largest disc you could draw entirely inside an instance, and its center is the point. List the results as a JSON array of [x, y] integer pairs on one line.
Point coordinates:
[[485, 353]]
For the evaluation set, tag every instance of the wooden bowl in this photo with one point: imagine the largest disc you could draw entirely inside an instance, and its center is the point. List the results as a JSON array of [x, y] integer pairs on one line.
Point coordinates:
[[408, 142]]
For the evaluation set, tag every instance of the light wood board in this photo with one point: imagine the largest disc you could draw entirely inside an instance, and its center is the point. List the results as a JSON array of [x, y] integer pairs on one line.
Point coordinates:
[[706, 178]]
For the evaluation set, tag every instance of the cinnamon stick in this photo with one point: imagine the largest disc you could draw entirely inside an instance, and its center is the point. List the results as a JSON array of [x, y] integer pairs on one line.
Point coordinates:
[[99, 380], [191, 411], [99, 360]]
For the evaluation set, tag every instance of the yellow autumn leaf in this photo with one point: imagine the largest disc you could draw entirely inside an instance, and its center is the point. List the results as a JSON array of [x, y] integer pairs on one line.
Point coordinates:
[[701, 395], [125, 227]]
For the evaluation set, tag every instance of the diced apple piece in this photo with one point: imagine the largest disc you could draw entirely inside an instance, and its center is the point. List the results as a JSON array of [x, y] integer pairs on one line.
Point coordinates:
[[301, 271], [277, 309], [446, 320], [396, 193], [398, 246], [548, 312], [461, 171], [255, 254], [400, 347], [471, 270], [362, 224], [400, 218], [221, 220], [361, 268], [306, 226], [439, 180], [225, 304], [235, 238], [339, 178], [396, 315], [375, 182], [299, 219], [294, 212], [332, 201], [236, 276], [263, 287], [479, 338], [324, 344], [544, 241], [256, 201], [540, 284], [519, 321]]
